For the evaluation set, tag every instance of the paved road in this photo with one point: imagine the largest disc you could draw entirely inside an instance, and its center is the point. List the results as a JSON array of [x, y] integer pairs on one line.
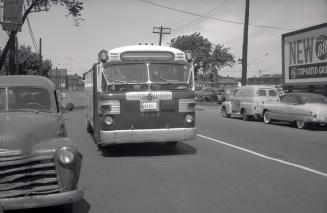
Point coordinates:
[[233, 166]]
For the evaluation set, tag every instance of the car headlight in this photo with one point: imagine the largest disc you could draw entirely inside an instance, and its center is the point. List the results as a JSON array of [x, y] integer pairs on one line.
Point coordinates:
[[66, 155], [108, 120], [189, 118]]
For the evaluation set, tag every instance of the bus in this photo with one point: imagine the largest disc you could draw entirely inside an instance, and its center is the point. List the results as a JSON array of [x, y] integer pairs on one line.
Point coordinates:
[[141, 93]]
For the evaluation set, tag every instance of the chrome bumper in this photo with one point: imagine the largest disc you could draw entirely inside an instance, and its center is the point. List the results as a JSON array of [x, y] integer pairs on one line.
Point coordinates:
[[36, 201], [146, 135]]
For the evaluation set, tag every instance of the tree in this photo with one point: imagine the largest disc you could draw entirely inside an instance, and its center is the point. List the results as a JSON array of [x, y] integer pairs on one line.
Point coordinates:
[[73, 8], [206, 56], [28, 63]]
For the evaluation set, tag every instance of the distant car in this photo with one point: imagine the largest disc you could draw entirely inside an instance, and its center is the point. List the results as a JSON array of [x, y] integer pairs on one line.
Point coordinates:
[[247, 101], [39, 164], [301, 108], [208, 94]]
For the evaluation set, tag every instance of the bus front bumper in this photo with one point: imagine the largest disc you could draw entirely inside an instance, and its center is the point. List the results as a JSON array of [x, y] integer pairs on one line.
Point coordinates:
[[146, 135]]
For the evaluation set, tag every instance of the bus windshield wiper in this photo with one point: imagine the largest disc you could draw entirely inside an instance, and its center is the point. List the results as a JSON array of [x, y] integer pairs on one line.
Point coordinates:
[[164, 79]]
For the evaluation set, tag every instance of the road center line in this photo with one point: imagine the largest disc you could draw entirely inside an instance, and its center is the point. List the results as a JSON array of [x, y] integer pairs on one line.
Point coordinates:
[[266, 157]]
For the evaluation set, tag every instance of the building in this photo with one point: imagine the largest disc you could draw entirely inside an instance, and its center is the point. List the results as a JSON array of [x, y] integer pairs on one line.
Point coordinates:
[[75, 82], [267, 79]]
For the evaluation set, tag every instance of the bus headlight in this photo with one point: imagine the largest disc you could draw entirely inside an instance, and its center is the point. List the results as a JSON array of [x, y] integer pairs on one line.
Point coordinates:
[[66, 155], [108, 120], [189, 118]]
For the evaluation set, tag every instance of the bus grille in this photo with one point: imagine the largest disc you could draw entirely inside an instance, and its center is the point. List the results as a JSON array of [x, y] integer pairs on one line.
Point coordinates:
[[22, 176], [160, 95]]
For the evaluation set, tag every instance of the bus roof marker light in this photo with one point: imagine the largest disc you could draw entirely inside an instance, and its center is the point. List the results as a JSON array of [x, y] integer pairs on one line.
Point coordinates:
[[103, 56]]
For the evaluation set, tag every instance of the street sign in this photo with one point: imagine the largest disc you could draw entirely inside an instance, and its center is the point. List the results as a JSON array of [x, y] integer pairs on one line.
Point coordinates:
[[12, 15]]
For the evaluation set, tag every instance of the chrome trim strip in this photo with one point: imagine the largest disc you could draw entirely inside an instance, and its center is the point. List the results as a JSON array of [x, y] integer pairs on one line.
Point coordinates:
[[146, 135], [160, 95]]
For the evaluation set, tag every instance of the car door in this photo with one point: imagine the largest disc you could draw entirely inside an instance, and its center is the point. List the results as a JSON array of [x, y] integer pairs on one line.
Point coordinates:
[[280, 111], [293, 108], [236, 101]]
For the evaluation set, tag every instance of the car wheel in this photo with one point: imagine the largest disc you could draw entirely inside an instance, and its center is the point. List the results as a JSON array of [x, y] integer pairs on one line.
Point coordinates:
[[301, 124], [266, 117], [245, 116], [224, 113]]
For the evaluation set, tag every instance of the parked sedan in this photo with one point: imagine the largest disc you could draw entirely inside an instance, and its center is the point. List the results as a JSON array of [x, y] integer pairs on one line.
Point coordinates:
[[207, 94], [301, 108]]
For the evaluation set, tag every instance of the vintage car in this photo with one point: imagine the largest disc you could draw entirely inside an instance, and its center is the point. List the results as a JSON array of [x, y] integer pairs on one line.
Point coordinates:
[[39, 164], [299, 108], [247, 101], [208, 94]]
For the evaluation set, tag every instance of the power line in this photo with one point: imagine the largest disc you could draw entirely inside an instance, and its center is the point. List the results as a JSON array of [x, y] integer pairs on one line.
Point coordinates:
[[218, 19]]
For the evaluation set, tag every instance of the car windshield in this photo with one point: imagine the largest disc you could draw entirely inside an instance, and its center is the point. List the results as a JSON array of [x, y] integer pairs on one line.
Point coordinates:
[[25, 99], [313, 98]]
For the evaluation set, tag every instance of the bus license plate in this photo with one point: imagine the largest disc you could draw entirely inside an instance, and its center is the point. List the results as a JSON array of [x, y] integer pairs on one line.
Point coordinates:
[[150, 106]]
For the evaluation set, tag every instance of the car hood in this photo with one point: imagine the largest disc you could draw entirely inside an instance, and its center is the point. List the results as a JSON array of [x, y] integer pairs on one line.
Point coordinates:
[[317, 108], [23, 131]]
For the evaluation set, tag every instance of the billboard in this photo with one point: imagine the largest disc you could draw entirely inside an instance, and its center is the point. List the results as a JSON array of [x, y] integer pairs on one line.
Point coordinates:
[[305, 56], [12, 15]]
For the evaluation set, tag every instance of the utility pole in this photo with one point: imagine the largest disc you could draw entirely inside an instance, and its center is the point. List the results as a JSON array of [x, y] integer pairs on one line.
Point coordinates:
[[40, 56], [245, 44], [161, 30]]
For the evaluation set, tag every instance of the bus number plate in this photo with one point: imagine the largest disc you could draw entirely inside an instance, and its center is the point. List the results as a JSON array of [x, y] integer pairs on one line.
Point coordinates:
[[150, 106]]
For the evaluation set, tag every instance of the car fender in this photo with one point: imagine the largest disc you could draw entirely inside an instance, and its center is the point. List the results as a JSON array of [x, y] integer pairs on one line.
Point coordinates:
[[251, 108]]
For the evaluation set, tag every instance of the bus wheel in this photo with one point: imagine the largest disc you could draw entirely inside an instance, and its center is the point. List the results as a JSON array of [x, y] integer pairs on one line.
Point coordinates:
[[171, 143]]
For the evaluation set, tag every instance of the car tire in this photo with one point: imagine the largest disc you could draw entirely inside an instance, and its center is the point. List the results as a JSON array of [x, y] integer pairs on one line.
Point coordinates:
[[224, 113], [266, 117], [300, 124], [245, 116]]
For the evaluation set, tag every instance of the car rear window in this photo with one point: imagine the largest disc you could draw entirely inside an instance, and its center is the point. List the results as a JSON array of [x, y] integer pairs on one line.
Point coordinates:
[[262, 92]]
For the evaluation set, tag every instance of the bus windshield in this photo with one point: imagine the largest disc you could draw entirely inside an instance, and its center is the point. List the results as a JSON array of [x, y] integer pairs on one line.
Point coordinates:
[[160, 73], [126, 73]]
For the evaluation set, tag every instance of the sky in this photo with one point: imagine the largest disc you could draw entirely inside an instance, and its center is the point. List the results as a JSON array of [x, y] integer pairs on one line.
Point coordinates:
[[113, 23]]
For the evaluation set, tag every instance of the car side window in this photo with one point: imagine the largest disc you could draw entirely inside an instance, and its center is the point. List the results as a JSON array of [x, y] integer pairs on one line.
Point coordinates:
[[293, 100], [284, 99], [262, 92]]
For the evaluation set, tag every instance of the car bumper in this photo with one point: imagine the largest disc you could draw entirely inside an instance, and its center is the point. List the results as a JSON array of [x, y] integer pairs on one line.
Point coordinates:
[[148, 135], [37, 201]]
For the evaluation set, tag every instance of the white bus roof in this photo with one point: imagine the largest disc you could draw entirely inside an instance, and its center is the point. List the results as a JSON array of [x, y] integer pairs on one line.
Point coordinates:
[[178, 55], [145, 48]]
